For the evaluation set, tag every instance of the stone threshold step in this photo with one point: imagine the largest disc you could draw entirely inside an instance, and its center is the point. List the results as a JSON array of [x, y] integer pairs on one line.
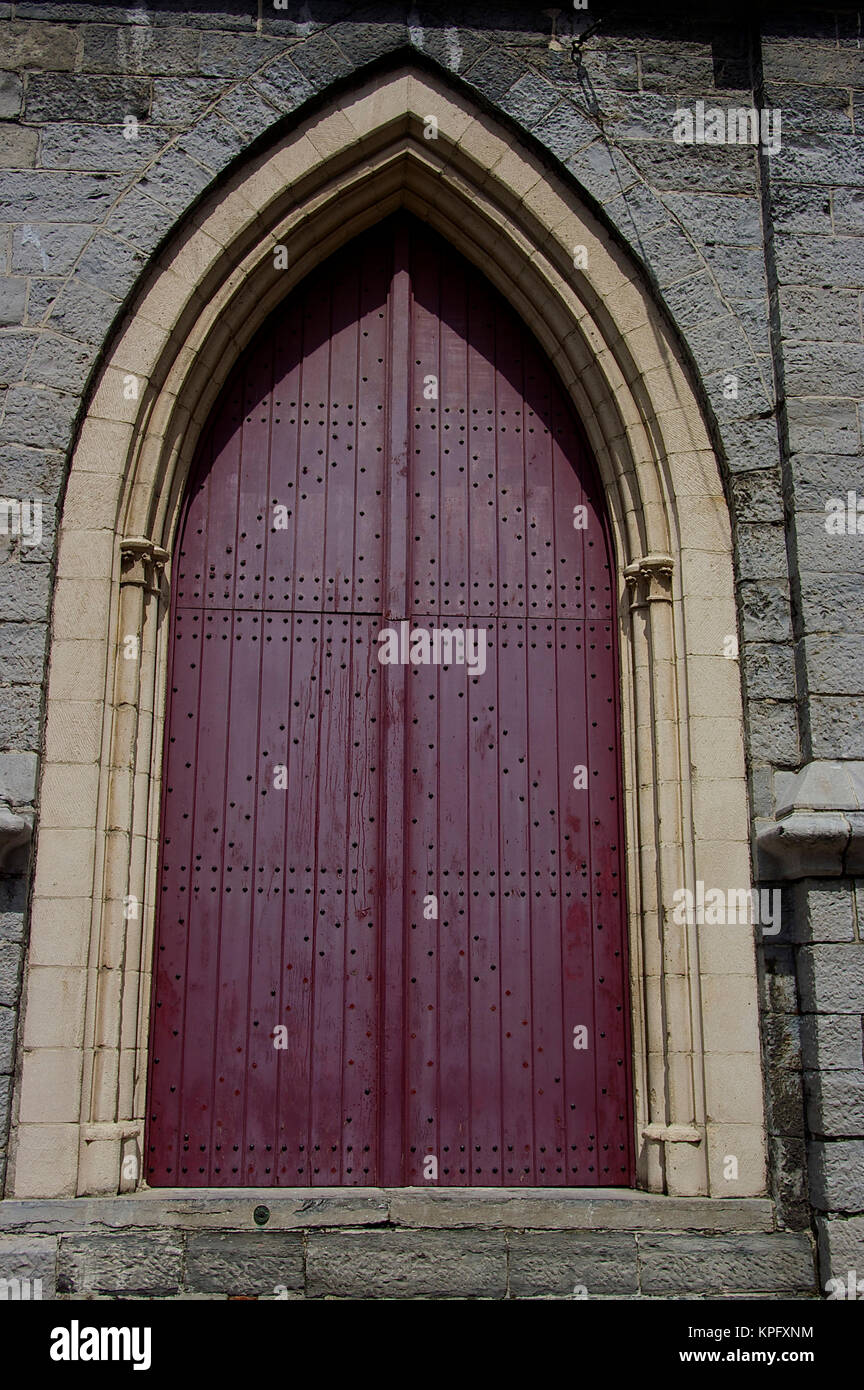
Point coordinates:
[[443, 1208]]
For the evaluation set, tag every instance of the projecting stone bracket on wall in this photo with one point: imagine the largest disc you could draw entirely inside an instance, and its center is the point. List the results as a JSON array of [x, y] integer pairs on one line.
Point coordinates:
[[818, 831], [17, 793]]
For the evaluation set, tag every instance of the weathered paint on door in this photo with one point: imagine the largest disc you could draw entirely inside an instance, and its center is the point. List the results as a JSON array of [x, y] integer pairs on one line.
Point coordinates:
[[390, 937]]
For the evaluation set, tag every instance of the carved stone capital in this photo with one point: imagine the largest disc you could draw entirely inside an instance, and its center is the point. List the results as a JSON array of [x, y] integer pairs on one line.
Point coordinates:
[[142, 562], [650, 580]]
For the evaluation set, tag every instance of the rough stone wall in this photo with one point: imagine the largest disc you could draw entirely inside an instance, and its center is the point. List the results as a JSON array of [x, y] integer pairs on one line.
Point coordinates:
[[812, 69], [758, 259]]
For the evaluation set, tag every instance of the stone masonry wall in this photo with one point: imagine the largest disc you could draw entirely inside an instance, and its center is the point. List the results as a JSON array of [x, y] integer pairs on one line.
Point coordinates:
[[113, 120]]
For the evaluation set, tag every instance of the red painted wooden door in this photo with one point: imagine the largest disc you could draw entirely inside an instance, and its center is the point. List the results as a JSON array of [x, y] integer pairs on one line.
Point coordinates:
[[390, 940]]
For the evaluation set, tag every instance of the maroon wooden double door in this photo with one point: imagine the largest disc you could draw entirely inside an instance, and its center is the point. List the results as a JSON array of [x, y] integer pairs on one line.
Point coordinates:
[[390, 938]]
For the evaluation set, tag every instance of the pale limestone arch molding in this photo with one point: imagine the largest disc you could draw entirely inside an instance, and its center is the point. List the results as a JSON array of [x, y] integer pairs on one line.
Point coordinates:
[[697, 1071]]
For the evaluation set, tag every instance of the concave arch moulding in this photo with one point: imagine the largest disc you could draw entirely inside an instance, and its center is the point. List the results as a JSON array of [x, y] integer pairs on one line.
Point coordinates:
[[697, 1073]]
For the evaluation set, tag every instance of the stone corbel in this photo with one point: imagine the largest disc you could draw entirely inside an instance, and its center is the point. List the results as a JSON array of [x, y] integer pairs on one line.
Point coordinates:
[[818, 829], [650, 580]]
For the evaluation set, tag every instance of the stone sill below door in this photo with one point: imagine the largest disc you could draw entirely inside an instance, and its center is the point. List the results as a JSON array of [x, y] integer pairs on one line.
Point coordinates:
[[598, 1209]]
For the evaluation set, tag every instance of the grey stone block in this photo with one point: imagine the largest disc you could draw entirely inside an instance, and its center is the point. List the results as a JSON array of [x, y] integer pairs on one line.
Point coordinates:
[[49, 248], [698, 168], [529, 99], [69, 145], [821, 426], [769, 674], [786, 1102], [319, 60], [773, 731], [18, 777], [25, 592], [8, 1023], [835, 1104], [83, 312], [39, 416], [676, 1265], [668, 65], [30, 1257], [827, 369], [848, 206], [174, 180], [86, 98], [457, 50], [727, 219], [761, 551], [138, 49], [765, 613], [819, 477], [55, 196], [819, 315], [785, 60], [39, 45], [646, 116], [566, 130], [832, 978], [28, 472], [751, 442], [179, 100], [236, 55], [841, 1247], [212, 141], [837, 1174], [820, 157], [15, 349], [395, 1264], [788, 1171], [758, 497], [111, 264], [836, 730], [13, 293], [59, 362], [547, 1264], [18, 145], [372, 34], [606, 174], [10, 95], [821, 261], [19, 716], [120, 1263], [807, 109], [243, 1262], [636, 211], [795, 209], [141, 219], [833, 1042], [781, 1034], [829, 600], [762, 790], [821, 551], [283, 85], [495, 73], [248, 111], [822, 911], [835, 664]]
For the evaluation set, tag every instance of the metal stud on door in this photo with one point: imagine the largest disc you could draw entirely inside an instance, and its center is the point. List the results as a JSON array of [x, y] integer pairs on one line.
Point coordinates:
[[390, 942]]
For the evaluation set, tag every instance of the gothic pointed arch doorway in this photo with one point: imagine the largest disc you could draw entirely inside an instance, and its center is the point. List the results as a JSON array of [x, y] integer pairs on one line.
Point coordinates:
[[390, 943]]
